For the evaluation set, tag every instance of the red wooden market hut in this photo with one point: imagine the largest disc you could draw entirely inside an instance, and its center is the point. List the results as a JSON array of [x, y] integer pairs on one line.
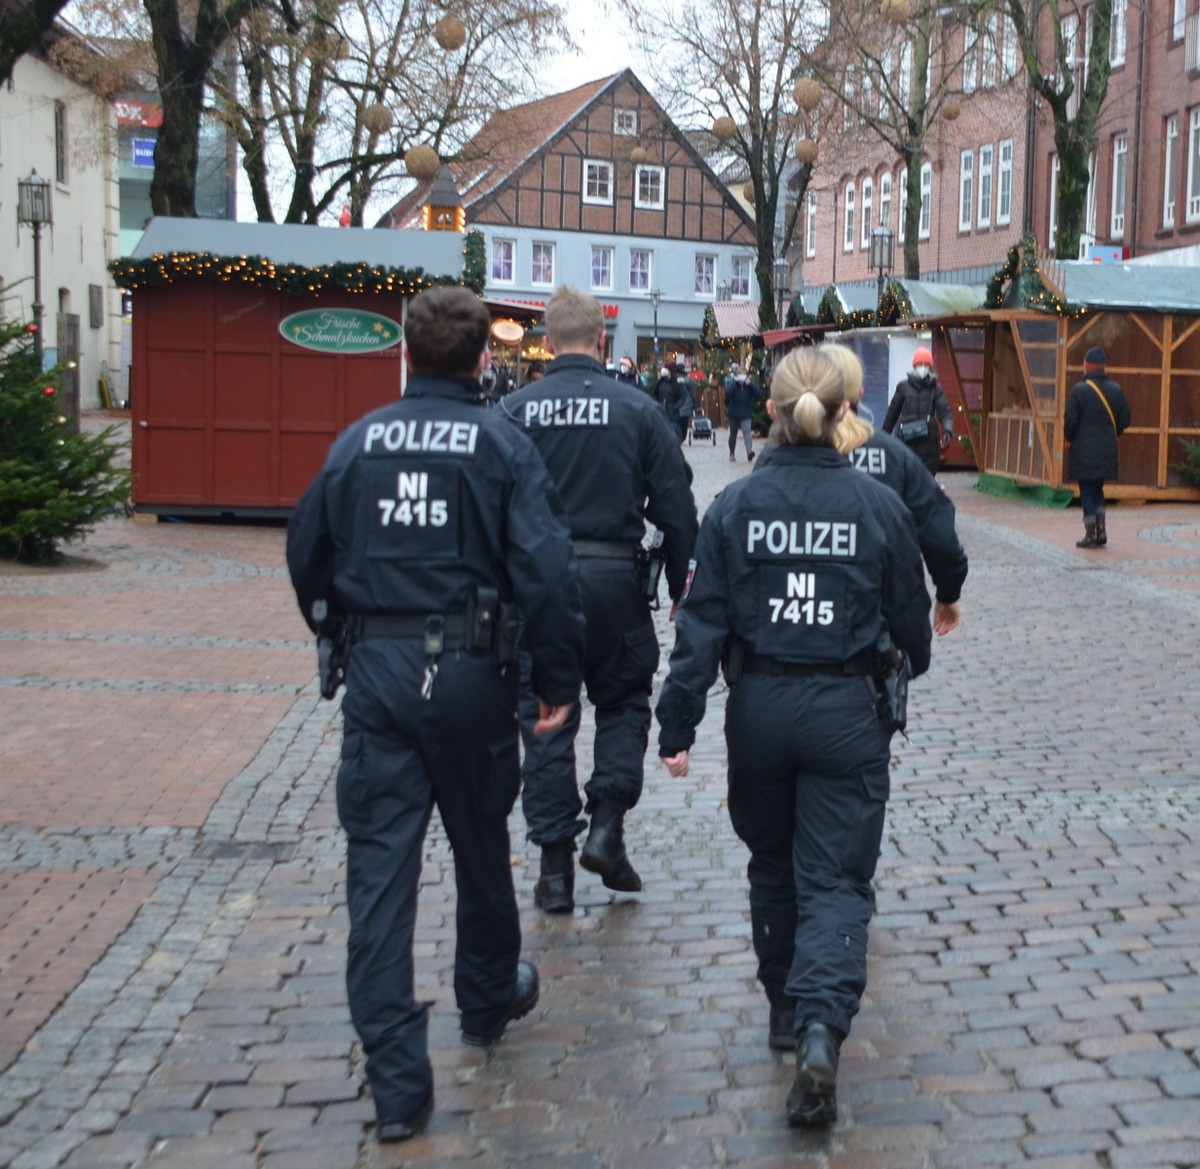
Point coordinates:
[[255, 344]]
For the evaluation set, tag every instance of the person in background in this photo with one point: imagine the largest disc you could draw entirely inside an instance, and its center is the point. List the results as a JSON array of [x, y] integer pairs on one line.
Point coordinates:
[[807, 576], [917, 407], [683, 402], [431, 522], [627, 372], [1097, 415], [740, 395]]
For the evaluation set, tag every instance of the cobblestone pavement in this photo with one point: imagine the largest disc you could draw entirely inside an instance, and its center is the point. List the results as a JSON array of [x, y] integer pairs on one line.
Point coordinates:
[[172, 926]]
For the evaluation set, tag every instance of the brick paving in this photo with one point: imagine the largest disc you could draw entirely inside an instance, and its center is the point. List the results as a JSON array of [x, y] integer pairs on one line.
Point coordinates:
[[172, 927]]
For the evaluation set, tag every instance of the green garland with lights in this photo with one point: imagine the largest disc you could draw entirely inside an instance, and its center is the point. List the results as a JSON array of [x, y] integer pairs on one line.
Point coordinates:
[[1031, 291], [296, 279], [830, 312]]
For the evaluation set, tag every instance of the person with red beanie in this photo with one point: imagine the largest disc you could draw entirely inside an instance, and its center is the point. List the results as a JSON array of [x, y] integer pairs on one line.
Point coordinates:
[[1097, 414], [917, 407]]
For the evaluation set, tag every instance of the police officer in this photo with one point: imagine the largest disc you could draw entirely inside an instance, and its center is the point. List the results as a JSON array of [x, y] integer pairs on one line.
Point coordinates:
[[805, 570], [611, 453], [431, 517]]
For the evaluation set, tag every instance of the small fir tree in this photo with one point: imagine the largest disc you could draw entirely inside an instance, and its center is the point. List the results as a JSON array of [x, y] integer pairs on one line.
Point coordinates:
[[55, 484]]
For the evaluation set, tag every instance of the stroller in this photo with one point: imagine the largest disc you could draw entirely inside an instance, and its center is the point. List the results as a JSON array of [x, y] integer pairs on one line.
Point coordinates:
[[702, 428]]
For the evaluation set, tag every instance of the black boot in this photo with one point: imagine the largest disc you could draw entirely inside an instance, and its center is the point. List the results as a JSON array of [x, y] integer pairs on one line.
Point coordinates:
[[813, 1098], [1101, 530], [555, 890], [604, 850], [1089, 539]]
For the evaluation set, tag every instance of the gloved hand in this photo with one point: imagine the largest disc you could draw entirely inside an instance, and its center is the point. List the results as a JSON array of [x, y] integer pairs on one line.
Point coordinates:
[[946, 437]]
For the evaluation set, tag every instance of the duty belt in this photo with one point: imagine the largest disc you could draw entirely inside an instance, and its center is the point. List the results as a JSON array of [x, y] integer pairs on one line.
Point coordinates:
[[454, 625], [861, 665], [604, 549]]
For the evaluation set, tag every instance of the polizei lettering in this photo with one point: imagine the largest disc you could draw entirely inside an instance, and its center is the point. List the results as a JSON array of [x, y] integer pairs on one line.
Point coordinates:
[[873, 460], [566, 412], [801, 538], [433, 436]]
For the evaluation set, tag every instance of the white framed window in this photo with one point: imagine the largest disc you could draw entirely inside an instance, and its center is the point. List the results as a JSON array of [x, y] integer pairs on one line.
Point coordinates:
[[986, 161], [1089, 206], [926, 200], [625, 122], [1008, 52], [902, 225], [1116, 36], [60, 143], [848, 220], [906, 71], [1192, 212], [810, 225], [885, 199], [706, 275], [648, 185], [602, 267], [868, 209], [542, 272], [970, 65], [1053, 225], [1120, 152], [987, 64], [1179, 20], [504, 255], [739, 279], [640, 270], [966, 190], [849, 97], [1170, 171], [597, 182], [1070, 37], [1004, 195]]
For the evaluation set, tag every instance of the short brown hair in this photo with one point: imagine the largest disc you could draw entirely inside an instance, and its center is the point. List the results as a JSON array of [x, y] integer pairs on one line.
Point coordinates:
[[573, 319], [446, 331]]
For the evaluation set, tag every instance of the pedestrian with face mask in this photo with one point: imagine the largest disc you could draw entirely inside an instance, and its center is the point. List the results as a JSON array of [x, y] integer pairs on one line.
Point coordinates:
[[627, 372], [917, 408]]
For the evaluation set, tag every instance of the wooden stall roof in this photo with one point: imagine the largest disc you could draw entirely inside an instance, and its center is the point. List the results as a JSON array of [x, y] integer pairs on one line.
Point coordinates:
[[1104, 287], [439, 253]]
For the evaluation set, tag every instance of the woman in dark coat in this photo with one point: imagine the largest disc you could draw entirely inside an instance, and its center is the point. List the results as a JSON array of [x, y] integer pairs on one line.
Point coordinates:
[[1097, 414], [918, 400]]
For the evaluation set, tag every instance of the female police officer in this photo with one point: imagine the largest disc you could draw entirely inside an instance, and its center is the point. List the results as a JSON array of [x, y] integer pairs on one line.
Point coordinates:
[[803, 570]]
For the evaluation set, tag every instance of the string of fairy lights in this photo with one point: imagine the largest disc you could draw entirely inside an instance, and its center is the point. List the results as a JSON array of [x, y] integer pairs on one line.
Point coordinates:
[[297, 279]]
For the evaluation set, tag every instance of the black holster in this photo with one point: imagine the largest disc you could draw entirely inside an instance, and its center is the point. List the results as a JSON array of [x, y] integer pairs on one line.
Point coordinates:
[[331, 648], [649, 560], [890, 682]]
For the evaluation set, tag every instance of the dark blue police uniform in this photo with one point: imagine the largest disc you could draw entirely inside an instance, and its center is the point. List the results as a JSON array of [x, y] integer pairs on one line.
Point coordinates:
[[800, 568], [420, 505], [616, 464]]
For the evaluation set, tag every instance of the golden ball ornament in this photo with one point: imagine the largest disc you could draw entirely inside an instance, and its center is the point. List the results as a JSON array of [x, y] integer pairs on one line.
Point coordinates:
[[377, 118], [807, 150], [423, 163], [450, 33], [748, 193], [638, 155], [951, 110], [807, 93], [897, 11], [724, 128]]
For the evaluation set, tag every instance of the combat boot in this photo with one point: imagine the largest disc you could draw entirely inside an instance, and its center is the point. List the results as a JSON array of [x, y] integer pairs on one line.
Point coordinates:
[[1089, 539], [813, 1098], [604, 850], [1101, 530], [555, 890]]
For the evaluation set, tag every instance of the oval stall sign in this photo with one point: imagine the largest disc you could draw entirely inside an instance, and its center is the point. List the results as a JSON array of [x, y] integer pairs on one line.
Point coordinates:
[[340, 330]]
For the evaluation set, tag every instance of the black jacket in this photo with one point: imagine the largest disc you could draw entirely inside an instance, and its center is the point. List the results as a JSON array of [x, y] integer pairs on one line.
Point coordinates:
[[920, 398], [613, 458], [1090, 430], [804, 561], [428, 497]]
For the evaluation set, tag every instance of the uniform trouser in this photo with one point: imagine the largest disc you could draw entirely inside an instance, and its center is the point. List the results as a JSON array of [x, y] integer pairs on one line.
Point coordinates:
[[620, 657], [808, 785], [1091, 497], [400, 757], [742, 424]]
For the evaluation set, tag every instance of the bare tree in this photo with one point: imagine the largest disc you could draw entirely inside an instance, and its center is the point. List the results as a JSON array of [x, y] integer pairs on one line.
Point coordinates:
[[22, 23], [737, 59], [1050, 34]]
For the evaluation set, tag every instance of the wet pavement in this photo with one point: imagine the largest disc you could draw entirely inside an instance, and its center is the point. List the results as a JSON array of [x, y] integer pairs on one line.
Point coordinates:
[[172, 922]]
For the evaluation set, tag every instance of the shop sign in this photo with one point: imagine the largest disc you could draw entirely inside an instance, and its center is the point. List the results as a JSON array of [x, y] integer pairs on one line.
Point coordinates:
[[340, 330]]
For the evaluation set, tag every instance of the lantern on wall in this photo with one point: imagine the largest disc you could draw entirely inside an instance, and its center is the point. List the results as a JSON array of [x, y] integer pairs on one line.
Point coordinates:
[[897, 11], [450, 33], [724, 128], [807, 150], [807, 93], [377, 118], [443, 210], [638, 155], [422, 163], [951, 110]]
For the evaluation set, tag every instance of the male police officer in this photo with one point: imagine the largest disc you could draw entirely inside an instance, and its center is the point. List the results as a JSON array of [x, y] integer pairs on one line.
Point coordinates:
[[613, 457], [431, 518]]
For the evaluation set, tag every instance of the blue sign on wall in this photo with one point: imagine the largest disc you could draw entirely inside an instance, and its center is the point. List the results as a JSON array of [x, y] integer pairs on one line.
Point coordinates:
[[143, 152]]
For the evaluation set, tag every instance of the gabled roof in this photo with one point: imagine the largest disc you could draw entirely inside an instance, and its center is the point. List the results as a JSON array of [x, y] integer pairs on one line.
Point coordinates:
[[1154, 288], [509, 138]]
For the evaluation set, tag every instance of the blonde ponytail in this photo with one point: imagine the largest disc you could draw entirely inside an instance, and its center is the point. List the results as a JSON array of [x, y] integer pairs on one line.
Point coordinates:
[[808, 391]]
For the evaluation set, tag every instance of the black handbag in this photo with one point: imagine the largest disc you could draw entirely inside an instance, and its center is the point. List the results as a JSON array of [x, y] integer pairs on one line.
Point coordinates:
[[913, 430]]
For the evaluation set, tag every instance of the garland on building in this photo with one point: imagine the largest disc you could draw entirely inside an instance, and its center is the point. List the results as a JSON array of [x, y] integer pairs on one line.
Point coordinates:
[[830, 312], [1031, 290], [296, 279], [895, 305]]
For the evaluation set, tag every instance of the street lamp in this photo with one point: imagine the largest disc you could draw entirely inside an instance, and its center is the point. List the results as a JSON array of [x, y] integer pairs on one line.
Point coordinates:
[[879, 260], [33, 207], [723, 290], [783, 271], [655, 300]]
